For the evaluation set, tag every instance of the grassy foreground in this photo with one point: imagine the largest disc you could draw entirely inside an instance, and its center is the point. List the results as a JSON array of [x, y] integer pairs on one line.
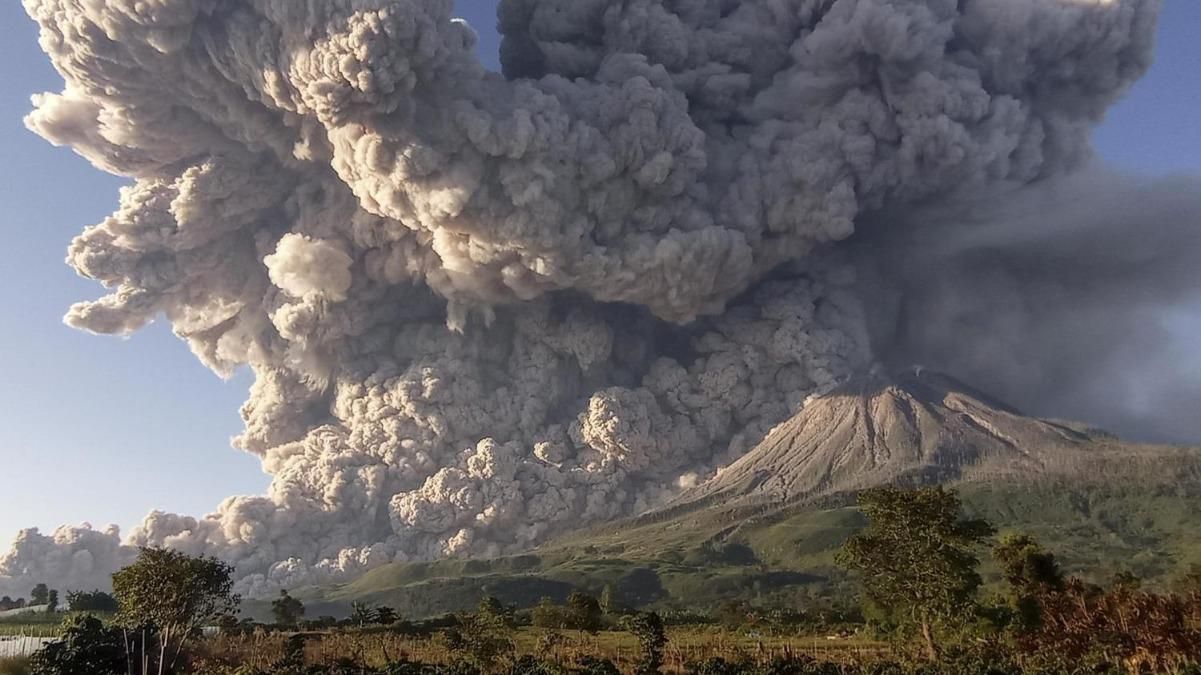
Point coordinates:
[[564, 648]]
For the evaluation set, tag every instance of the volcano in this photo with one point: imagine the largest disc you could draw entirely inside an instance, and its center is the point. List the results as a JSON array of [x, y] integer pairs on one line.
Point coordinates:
[[915, 427], [769, 523]]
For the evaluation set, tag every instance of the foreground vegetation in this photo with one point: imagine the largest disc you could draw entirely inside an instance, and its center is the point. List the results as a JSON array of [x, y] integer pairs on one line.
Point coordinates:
[[924, 610]]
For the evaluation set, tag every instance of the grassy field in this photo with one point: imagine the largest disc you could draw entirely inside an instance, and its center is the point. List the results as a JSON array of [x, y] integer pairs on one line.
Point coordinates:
[[685, 645], [37, 625], [14, 665]]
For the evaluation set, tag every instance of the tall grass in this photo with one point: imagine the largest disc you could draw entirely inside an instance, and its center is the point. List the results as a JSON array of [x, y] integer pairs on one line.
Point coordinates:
[[14, 665], [377, 648]]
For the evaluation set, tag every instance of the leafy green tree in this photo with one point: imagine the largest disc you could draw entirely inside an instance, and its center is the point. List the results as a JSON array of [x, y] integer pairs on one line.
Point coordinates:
[[95, 601], [647, 627], [494, 612], [176, 593], [584, 612], [287, 610], [386, 616], [39, 595], [546, 614], [916, 558], [86, 647], [1031, 573]]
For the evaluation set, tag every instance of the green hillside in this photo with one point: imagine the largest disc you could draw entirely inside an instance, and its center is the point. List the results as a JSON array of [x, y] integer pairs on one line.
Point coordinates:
[[704, 557]]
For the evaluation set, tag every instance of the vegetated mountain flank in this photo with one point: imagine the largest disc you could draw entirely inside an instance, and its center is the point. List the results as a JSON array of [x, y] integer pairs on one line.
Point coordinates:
[[766, 527]]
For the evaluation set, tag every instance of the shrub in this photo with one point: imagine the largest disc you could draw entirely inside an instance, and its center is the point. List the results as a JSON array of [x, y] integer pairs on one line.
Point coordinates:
[[548, 615], [591, 665], [87, 647], [717, 666]]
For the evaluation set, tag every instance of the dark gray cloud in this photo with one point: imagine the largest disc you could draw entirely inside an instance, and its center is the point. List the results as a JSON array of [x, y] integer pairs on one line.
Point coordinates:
[[1058, 297]]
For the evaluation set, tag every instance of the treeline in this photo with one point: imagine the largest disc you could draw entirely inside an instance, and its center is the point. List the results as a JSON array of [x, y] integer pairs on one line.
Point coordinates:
[[77, 601]]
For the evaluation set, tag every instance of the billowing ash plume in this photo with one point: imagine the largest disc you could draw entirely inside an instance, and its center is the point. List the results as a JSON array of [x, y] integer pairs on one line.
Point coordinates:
[[484, 308]]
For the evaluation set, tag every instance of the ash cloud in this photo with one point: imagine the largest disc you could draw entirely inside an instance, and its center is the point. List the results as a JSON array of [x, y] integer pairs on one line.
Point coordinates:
[[483, 308], [1059, 297]]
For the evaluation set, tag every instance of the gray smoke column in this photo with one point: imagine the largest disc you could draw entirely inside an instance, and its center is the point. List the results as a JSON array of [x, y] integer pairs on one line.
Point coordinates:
[[483, 308]]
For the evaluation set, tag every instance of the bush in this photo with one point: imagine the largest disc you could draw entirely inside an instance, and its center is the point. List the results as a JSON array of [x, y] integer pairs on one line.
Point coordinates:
[[528, 665], [590, 665], [87, 647], [548, 615], [717, 666]]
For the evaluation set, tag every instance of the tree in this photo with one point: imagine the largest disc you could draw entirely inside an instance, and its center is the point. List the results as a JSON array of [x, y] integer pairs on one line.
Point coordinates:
[[485, 637], [492, 611], [652, 638], [386, 616], [52, 601], [176, 593], [7, 603], [546, 614], [584, 612], [39, 594], [1031, 573], [607, 605], [95, 601], [362, 613], [915, 559], [287, 610]]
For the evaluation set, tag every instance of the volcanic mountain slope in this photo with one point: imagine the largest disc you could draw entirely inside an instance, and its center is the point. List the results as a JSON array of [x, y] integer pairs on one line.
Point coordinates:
[[768, 524], [919, 426]]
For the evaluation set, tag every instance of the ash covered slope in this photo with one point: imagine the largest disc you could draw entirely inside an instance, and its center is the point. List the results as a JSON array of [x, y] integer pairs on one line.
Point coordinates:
[[918, 426], [1091, 495]]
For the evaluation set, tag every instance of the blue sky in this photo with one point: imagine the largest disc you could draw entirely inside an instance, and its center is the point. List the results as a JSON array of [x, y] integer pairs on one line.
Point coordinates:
[[104, 429]]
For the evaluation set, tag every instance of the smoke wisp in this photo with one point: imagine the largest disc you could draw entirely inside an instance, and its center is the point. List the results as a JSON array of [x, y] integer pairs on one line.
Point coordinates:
[[482, 308]]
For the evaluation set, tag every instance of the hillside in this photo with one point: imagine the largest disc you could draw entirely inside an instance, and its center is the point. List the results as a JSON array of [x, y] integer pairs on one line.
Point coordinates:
[[766, 527]]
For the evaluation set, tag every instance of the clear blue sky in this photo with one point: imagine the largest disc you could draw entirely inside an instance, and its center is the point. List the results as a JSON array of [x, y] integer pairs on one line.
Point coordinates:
[[105, 429]]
